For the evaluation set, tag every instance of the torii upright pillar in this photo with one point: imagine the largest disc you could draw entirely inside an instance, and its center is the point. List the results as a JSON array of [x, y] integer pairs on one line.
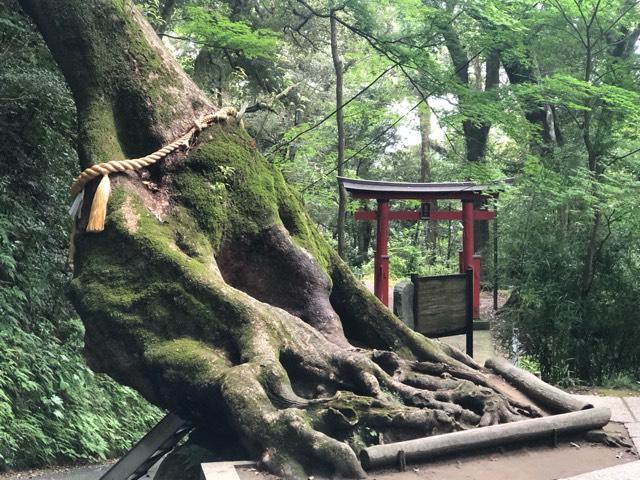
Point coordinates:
[[381, 262], [468, 247], [468, 259]]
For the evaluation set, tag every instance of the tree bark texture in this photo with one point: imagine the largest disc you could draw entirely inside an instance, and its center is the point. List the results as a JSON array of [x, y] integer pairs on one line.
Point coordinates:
[[537, 114], [211, 292], [475, 133]]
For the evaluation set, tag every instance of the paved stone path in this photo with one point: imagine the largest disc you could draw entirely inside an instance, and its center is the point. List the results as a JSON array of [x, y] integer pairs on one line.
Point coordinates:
[[624, 410], [620, 411], [625, 471]]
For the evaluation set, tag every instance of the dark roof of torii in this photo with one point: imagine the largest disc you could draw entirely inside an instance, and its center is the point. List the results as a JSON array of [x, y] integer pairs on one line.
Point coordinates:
[[359, 188]]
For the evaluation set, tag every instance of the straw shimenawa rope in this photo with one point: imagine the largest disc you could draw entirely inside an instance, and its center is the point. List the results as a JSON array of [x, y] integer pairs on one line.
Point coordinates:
[[98, 211]]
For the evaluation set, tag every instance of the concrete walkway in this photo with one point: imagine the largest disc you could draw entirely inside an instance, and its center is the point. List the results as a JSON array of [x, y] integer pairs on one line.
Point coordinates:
[[483, 345], [626, 471], [623, 410]]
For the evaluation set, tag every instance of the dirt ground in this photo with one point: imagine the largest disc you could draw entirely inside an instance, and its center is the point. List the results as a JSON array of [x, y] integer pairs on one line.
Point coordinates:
[[532, 461], [71, 472]]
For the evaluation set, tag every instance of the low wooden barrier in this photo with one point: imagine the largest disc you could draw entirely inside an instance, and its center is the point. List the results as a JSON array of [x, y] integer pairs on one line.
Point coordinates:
[[483, 437]]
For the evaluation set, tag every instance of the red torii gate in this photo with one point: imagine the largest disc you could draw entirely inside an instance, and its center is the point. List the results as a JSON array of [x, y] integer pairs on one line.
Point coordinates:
[[383, 192]]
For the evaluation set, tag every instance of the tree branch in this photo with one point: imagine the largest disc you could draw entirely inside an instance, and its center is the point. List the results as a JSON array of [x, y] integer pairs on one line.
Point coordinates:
[[327, 117], [260, 105], [568, 20], [198, 42]]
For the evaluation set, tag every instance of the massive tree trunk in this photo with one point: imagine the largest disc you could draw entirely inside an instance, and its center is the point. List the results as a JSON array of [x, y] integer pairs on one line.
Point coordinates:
[[211, 292]]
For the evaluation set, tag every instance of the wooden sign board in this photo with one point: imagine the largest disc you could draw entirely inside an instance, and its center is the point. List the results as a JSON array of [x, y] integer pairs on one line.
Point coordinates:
[[441, 304]]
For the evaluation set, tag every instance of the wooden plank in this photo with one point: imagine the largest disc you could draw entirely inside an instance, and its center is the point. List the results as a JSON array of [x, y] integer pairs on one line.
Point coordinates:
[[484, 437], [547, 395], [222, 470], [366, 215], [372, 216], [421, 197], [412, 216], [164, 435], [440, 304], [469, 300], [457, 215]]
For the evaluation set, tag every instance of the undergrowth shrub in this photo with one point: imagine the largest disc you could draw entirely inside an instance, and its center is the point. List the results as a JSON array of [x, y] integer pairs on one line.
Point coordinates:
[[53, 409], [575, 334]]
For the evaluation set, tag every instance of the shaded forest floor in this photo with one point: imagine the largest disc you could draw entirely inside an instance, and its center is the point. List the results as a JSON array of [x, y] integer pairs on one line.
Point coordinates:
[[533, 461], [70, 472]]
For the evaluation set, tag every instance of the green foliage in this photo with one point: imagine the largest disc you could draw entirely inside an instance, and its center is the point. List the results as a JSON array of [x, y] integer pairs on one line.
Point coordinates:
[[621, 381], [544, 223], [214, 28], [53, 409], [529, 364]]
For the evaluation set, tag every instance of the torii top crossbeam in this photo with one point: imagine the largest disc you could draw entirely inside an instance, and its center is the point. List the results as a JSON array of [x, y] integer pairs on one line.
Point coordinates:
[[360, 188], [383, 192]]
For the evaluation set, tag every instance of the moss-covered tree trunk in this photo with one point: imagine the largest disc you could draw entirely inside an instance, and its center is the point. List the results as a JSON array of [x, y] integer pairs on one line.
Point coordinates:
[[211, 292]]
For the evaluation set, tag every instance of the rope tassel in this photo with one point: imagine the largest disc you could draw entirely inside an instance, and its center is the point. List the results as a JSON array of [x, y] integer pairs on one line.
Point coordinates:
[[76, 206], [98, 211]]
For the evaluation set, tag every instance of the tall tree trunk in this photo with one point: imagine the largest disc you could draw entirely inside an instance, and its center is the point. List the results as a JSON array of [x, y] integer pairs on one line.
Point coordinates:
[[538, 114], [342, 194], [166, 12], [481, 228], [364, 230], [622, 47], [211, 292], [430, 227], [424, 115], [588, 269], [476, 134], [292, 149]]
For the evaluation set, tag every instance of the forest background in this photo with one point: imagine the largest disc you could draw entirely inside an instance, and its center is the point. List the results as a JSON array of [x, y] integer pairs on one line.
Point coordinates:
[[546, 93]]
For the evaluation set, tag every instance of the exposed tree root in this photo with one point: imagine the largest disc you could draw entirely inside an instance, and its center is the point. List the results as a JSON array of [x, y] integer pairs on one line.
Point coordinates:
[[300, 401]]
